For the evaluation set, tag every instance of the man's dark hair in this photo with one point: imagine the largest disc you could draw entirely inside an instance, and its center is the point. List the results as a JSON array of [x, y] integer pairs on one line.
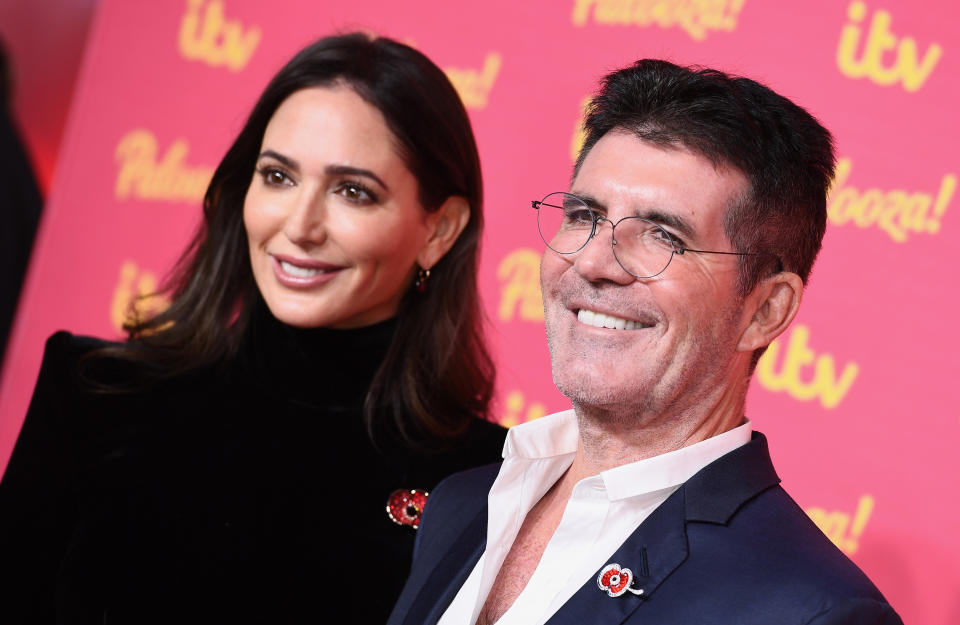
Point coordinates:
[[785, 154]]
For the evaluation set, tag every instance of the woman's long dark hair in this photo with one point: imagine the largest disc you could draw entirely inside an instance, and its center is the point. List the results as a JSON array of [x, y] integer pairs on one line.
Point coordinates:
[[437, 374]]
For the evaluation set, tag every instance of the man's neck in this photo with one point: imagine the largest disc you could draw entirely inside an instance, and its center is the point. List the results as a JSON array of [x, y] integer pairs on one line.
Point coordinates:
[[612, 437]]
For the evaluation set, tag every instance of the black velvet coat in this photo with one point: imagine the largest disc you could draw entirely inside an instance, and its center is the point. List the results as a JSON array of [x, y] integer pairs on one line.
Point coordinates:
[[245, 494]]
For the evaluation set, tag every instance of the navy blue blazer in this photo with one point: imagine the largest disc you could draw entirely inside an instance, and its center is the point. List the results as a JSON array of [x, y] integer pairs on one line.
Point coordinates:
[[729, 546]]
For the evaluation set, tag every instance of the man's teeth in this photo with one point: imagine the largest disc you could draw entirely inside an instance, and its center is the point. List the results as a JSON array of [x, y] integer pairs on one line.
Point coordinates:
[[601, 320], [299, 272]]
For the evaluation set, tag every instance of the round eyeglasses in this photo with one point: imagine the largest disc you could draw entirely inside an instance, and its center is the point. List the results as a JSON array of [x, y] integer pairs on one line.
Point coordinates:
[[642, 247]]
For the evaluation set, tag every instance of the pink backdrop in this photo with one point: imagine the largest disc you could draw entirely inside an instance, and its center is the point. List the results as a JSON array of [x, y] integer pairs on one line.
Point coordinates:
[[858, 397]]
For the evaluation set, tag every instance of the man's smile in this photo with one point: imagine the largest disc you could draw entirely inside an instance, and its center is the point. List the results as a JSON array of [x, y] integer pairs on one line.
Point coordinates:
[[603, 320]]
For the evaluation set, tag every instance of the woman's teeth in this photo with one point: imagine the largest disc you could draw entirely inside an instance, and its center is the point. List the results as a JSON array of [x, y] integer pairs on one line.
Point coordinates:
[[601, 320], [299, 272]]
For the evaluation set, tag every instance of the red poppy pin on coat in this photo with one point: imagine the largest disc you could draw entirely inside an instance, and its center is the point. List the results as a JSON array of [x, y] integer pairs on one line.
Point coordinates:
[[615, 580], [405, 506]]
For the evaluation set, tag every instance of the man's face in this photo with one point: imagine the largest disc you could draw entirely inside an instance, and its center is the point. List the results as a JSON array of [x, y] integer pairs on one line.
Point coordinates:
[[688, 319]]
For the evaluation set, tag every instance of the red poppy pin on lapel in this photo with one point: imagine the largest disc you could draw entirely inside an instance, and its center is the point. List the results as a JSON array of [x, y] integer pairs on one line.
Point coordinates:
[[405, 506], [615, 581]]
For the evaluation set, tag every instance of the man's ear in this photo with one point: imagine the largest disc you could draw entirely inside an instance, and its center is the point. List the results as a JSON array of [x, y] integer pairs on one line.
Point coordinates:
[[446, 223], [774, 302]]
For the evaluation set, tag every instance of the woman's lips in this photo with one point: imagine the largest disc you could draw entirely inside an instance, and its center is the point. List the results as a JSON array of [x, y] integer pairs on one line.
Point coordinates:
[[301, 273]]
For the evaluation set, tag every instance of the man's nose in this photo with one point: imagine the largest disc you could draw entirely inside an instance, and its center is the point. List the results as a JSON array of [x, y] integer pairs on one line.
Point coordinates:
[[596, 262], [305, 223]]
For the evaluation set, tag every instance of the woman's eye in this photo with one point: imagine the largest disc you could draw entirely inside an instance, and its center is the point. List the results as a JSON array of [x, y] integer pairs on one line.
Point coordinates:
[[275, 177], [356, 193]]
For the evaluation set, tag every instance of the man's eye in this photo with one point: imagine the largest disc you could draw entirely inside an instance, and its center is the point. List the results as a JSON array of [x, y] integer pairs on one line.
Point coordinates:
[[577, 215], [658, 234], [669, 238]]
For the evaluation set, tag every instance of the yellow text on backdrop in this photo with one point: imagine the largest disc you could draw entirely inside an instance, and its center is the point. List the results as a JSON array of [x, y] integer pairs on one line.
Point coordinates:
[[475, 86], [135, 296], [142, 175], [798, 358], [519, 275], [907, 68], [514, 414], [694, 17], [214, 40], [897, 212], [842, 528]]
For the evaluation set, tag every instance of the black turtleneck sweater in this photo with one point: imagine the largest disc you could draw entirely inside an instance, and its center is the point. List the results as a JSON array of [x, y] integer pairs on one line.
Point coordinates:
[[243, 494]]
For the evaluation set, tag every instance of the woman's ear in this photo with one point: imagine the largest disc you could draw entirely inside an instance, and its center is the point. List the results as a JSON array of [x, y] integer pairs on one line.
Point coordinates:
[[445, 225], [774, 302]]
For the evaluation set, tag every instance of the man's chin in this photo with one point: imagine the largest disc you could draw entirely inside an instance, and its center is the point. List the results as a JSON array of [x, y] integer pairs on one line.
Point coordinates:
[[593, 394]]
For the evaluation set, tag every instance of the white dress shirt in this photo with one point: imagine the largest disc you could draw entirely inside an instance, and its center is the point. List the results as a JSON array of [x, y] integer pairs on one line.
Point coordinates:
[[602, 512]]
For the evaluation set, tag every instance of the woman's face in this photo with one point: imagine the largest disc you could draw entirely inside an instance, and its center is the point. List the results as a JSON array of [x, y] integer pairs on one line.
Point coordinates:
[[332, 216]]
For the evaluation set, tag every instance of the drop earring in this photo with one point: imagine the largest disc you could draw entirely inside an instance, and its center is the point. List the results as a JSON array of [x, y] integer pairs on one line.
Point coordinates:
[[421, 282]]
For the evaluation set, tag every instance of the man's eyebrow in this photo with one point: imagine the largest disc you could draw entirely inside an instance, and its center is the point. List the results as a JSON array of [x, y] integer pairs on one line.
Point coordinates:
[[330, 170], [657, 216], [594, 204], [667, 219]]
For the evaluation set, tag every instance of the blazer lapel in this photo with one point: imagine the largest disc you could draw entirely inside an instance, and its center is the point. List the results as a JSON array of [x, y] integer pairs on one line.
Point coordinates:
[[450, 573], [651, 553], [659, 545]]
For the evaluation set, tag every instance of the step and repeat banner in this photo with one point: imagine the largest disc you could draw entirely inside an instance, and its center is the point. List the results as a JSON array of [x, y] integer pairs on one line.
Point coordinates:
[[858, 398]]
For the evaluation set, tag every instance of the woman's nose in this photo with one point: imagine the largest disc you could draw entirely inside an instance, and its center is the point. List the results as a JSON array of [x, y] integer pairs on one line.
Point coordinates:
[[305, 223]]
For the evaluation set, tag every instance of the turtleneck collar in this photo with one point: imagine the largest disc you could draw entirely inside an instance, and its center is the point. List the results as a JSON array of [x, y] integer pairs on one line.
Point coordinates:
[[321, 367]]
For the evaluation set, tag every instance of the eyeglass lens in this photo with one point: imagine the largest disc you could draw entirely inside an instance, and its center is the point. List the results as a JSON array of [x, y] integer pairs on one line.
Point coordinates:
[[566, 224]]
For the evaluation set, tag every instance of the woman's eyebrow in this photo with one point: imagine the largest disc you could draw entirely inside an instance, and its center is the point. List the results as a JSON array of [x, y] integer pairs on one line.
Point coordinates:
[[285, 160], [330, 170], [346, 170]]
